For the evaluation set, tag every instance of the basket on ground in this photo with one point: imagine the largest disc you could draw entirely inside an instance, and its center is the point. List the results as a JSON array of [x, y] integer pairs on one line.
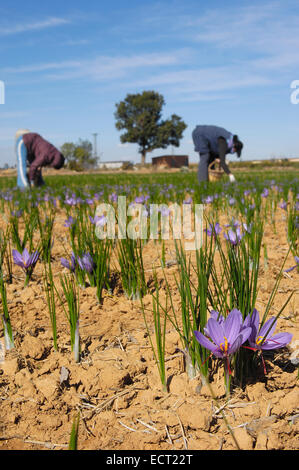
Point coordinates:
[[215, 170]]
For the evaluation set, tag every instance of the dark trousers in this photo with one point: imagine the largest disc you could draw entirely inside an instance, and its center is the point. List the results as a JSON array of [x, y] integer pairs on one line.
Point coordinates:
[[204, 162]]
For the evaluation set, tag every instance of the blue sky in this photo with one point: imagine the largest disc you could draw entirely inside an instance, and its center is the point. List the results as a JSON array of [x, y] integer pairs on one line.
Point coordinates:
[[66, 64]]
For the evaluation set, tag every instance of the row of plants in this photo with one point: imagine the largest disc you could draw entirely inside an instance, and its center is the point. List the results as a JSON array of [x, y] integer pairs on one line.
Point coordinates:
[[217, 283]]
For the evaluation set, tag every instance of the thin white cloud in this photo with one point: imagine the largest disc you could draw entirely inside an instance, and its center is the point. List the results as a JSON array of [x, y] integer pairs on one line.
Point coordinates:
[[205, 80], [100, 68], [267, 28], [41, 67], [13, 114], [34, 26]]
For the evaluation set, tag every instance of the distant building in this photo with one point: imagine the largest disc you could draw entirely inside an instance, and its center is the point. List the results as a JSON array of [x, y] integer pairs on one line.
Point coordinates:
[[171, 161], [114, 165]]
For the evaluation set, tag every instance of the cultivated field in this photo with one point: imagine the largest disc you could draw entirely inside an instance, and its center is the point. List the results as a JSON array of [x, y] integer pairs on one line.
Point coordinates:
[[102, 329]]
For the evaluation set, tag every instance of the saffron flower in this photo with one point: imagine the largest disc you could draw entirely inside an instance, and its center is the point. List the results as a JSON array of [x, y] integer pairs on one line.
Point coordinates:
[[234, 237], [247, 227], [208, 200], [263, 338], [71, 265], [113, 197], [265, 193], [98, 220], [139, 199], [86, 263], [26, 261], [71, 200], [283, 205], [234, 223], [17, 213], [69, 222], [213, 229], [226, 336]]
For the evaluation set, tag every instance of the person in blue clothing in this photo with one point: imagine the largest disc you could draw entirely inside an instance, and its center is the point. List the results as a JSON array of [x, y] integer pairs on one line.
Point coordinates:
[[214, 142]]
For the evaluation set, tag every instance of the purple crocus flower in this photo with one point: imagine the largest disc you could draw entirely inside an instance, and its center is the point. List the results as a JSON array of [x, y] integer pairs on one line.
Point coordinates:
[[234, 237], [247, 227], [86, 263], [17, 213], [98, 220], [293, 267], [263, 338], [139, 199], [71, 201], [226, 336], [234, 223], [25, 260], [213, 229], [69, 222], [71, 265], [113, 197], [283, 205], [265, 192], [89, 201], [208, 200]]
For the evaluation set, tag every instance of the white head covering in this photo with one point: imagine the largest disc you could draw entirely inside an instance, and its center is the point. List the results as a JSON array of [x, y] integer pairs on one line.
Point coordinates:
[[21, 132]]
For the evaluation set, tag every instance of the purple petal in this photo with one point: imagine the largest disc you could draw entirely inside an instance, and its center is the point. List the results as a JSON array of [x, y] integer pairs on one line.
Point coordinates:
[[26, 257], [17, 257], [290, 269], [33, 258], [215, 331], [232, 325], [65, 263], [265, 328], [206, 343], [80, 262], [245, 333], [277, 341], [254, 323], [236, 345]]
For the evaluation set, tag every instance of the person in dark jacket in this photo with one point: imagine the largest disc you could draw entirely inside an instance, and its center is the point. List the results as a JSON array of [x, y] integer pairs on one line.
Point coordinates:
[[34, 151], [214, 142]]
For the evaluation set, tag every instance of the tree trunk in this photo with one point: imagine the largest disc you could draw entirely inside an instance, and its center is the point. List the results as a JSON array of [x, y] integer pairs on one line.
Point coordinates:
[[143, 155]]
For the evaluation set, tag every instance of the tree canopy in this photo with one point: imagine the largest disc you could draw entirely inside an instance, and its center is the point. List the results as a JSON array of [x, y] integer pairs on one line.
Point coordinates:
[[78, 155], [141, 116]]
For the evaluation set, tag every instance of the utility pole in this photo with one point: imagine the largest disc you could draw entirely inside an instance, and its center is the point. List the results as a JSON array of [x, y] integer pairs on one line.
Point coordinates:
[[95, 152]]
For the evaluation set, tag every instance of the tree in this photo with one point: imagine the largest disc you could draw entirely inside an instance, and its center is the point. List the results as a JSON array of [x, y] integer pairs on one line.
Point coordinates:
[[79, 156], [140, 115]]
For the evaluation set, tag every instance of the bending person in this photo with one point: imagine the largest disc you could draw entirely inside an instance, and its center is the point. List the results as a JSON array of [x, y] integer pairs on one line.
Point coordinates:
[[214, 142], [34, 151]]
